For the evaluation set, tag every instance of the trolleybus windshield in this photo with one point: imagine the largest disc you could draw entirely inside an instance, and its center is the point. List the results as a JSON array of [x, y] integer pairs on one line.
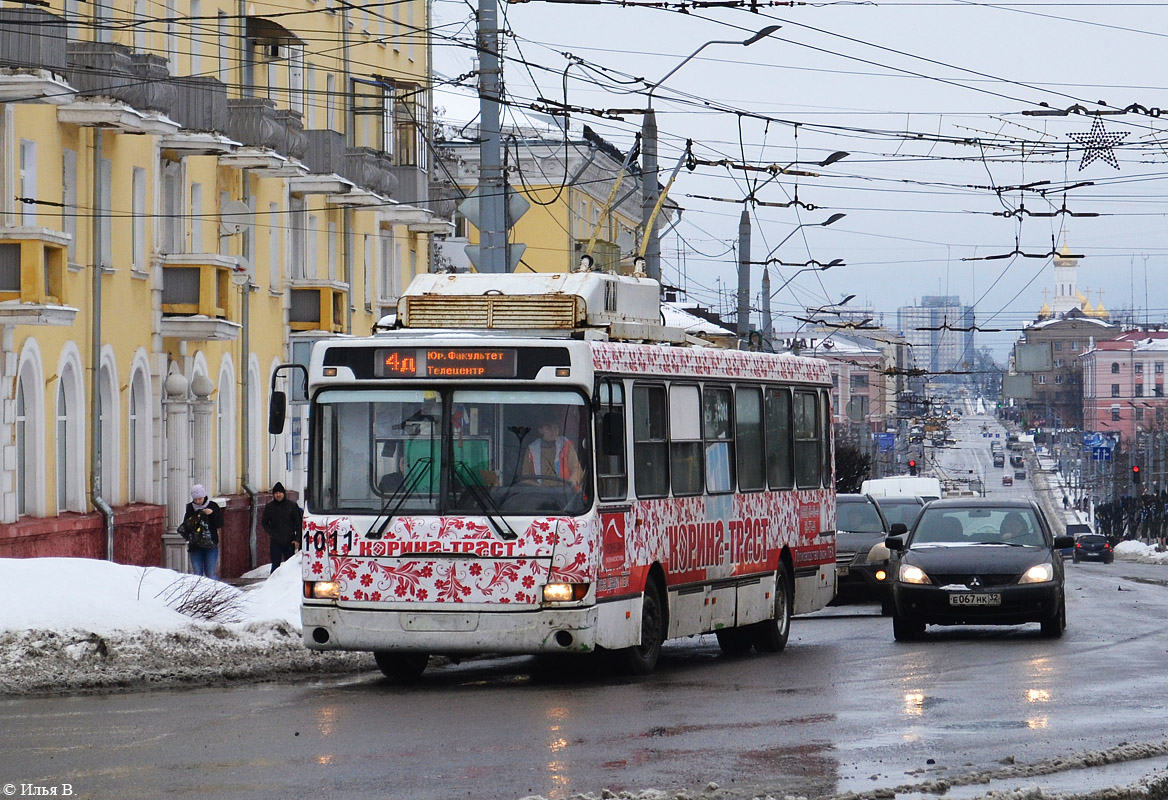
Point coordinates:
[[462, 451]]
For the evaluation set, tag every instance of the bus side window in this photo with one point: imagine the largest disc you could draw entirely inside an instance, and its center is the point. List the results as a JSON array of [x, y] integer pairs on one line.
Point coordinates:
[[650, 445], [828, 474], [749, 439], [685, 440], [780, 473], [808, 457], [717, 431], [610, 441]]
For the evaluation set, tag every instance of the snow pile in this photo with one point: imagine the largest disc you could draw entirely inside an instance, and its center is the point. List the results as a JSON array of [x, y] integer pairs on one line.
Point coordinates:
[[1141, 553], [71, 624]]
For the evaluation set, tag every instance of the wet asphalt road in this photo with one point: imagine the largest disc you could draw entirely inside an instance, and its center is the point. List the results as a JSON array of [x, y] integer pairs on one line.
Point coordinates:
[[845, 708]]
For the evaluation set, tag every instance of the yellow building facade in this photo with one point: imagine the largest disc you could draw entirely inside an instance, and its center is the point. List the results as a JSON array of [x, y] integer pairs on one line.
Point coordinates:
[[578, 200], [191, 193]]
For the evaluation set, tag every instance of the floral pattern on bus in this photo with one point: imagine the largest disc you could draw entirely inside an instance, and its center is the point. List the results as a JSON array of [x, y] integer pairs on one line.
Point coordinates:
[[395, 568], [641, 359], [711, 537]]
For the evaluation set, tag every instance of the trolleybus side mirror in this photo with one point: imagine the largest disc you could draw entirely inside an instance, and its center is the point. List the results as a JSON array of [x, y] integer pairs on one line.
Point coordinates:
[[612, 433], [277, 411]]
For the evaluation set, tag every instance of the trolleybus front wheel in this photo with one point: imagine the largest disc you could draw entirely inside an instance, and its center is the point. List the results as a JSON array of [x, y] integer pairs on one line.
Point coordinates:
[[401, 667], [640, 659]]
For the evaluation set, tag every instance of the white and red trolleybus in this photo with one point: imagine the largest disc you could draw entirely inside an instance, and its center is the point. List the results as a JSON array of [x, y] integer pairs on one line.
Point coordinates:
[[534, 464]]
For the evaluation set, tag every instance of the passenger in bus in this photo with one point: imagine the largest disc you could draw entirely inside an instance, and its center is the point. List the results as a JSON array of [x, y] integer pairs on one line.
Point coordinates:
[[553, 455]]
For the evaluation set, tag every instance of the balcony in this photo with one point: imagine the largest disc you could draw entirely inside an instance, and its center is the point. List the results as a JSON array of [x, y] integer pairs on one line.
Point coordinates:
[[32, 57], [370, 170], [200, 107], [413, 184], [317, 306], [119, 89], [273, 139], [195, 292], [324, 157], [32, 277]]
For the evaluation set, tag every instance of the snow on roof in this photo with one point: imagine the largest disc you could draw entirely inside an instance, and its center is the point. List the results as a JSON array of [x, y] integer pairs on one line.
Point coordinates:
[[677, 316]]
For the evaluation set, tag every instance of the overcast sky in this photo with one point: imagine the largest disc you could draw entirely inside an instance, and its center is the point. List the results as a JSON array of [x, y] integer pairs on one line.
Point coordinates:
[[928, 100]]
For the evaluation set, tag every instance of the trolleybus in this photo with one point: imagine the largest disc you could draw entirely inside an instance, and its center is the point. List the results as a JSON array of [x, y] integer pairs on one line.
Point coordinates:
[[535, 464]]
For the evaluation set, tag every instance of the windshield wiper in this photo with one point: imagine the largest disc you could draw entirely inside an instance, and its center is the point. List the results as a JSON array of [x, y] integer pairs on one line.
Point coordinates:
[[474, 485], [400, 494]]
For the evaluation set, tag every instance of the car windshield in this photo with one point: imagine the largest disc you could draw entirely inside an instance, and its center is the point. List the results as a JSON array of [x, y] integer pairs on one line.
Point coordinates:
[[901, 511], [858, 517], [1011, 526]]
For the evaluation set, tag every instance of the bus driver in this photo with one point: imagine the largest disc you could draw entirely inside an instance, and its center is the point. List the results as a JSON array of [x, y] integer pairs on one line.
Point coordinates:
[[553, 455]]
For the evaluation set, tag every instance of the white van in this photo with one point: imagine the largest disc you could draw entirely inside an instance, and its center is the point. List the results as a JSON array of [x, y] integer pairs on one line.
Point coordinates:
[[903, 486]]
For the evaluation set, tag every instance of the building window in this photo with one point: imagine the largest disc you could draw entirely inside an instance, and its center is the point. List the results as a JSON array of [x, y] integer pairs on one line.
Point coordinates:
[[1058, 347], [69, 200], [1139, 390], [298, 237], [1115, 414], [1041, 379], [858, 382], [63, 458], [1074, 347], [1115, 390], [1158, 368], [1058, 379], [1114, 367], [28, 182], [1058, 363], [224, 65], [138, 219], [1138, 367], [1158, 390], [23, 448], [1139, 413]]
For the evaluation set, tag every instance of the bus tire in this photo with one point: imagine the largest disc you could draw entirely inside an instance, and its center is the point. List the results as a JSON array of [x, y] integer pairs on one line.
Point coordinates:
[[641, 659], [401, 667], [734, 641], [770, 636]]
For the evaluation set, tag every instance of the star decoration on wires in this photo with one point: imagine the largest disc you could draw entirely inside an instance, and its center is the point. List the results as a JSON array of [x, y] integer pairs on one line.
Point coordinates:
[[1098, 143]]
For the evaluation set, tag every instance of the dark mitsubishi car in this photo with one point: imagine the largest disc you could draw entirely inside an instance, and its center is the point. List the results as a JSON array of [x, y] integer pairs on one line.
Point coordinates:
[[974, 561]]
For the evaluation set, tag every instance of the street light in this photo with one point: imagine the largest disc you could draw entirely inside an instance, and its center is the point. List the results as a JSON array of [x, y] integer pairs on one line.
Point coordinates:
[[767, 324], [649, 189]]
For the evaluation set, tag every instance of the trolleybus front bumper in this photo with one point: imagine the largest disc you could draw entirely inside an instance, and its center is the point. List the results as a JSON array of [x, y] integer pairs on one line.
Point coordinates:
[[559, 630]]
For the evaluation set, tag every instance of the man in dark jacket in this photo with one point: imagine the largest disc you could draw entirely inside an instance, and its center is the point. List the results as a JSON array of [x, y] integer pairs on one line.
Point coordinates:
[[283, 520]]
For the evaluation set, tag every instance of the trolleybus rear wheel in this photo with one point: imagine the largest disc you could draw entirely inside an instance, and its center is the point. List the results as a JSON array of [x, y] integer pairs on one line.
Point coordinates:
[[770, 636], [402, 667]]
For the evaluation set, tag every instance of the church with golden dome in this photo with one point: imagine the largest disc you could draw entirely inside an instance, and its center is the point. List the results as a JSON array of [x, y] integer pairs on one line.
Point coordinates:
[[1067, 297]]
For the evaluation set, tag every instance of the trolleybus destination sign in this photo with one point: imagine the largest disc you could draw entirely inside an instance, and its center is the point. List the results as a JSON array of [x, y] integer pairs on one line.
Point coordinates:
[[445, 362]]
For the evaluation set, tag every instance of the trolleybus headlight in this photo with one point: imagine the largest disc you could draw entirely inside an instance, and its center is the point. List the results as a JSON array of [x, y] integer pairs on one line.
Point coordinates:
[[564, 592], [322, 590]]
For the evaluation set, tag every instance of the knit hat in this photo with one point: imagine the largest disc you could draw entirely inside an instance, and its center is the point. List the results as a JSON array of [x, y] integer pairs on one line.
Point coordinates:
[[278, 487], [197, 491]]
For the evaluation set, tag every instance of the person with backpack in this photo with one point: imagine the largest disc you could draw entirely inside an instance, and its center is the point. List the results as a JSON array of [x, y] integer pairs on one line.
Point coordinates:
[[283, 520], [202, 521]]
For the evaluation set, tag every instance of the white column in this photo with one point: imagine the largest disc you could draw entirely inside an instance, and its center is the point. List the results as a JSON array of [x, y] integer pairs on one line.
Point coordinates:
[[202, 425], [178, 479]]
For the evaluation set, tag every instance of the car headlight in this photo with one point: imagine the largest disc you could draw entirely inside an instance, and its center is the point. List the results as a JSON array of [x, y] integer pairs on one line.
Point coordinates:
[[564, 592], [322, 590], [1039, 573], [910, 574]]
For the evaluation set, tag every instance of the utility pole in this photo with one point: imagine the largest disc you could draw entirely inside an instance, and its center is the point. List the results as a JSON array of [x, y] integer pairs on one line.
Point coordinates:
[[649, 193], [492, 189], [744, 274]]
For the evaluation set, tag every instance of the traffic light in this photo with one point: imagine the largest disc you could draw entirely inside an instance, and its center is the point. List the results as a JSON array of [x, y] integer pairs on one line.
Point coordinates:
[[1135, 474], [912, 467]]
